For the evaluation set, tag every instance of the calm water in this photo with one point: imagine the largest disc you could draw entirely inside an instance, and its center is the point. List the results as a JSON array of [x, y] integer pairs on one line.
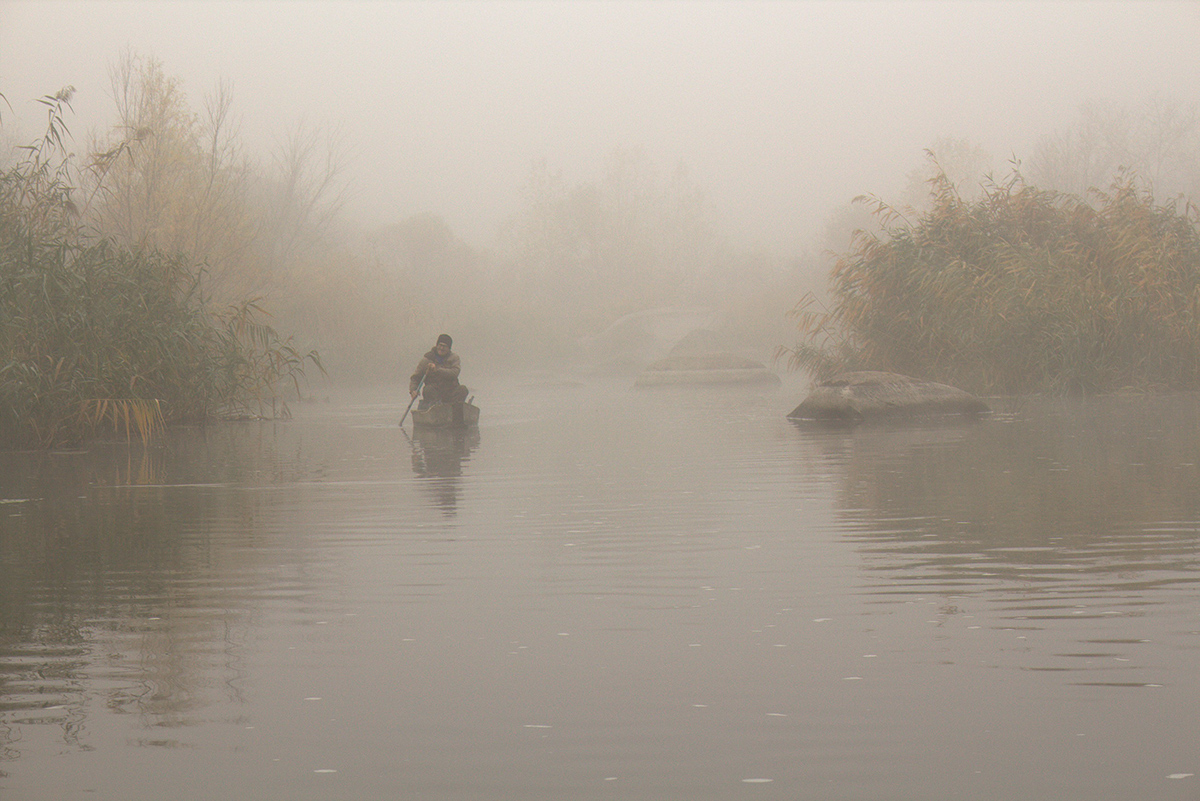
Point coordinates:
[[606, 593]]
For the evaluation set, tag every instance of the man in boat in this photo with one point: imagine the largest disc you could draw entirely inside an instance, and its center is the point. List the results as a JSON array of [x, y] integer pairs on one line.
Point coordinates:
[[440, 367]]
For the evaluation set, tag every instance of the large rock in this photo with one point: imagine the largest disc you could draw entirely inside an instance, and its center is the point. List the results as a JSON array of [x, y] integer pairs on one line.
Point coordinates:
[[851, 397]]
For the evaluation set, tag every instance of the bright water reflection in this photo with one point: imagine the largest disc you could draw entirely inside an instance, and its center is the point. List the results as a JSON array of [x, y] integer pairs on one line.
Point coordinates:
[[609, 594]]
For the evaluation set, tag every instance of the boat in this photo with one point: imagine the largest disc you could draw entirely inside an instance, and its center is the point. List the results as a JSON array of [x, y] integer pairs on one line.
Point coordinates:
[[447, 415]]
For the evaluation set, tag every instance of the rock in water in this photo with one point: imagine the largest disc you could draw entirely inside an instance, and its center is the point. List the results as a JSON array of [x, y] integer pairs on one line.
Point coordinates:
[[851, 397]]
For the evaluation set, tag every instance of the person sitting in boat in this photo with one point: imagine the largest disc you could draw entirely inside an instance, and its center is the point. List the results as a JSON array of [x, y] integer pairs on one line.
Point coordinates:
[[440, 368]]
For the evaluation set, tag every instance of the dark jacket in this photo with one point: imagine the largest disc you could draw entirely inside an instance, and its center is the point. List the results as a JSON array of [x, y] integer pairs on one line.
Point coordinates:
[[441, 381]]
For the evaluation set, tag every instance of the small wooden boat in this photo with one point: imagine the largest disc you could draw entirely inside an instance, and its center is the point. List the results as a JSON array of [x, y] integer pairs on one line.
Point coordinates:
[[447, 415]]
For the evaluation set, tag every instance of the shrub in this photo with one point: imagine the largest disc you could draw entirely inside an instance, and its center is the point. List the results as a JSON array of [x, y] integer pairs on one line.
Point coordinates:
[[1022, 290], [96, 336]]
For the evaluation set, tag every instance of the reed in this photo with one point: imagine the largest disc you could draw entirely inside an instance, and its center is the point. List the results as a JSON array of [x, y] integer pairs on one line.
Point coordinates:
[[1021, 290], [96, 338]]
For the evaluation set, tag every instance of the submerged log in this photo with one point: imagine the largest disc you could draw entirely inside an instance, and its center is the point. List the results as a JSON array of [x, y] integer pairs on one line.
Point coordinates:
[[851, 397]]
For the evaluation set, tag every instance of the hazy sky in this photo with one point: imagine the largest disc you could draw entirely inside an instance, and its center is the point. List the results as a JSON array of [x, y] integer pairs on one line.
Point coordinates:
[[781, 110]]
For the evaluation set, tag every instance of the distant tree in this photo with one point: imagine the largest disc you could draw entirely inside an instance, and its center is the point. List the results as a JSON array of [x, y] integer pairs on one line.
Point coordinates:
[[424, 251], [626, 242], [167, 178], [303, 192], [1157, 140], [425, 279]]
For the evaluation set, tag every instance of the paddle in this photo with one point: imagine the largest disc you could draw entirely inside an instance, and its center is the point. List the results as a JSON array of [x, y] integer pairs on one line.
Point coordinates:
[[420, 384]]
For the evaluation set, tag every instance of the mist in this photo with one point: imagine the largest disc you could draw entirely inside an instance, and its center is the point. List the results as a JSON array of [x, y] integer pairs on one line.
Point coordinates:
[[766, 117], [620, 568], [781, 109]]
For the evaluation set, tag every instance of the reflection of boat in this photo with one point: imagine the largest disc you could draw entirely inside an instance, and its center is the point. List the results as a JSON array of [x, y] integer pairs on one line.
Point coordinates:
[[442, 451], [447, 415], [438, 455]]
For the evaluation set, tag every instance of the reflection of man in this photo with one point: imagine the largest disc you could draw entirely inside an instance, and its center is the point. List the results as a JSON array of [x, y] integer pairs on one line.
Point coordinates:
[[440, 367], [439, 454], [442, 451]]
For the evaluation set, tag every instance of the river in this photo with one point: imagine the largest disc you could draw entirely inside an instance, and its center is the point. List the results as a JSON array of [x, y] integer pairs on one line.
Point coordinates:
[[607, 593]]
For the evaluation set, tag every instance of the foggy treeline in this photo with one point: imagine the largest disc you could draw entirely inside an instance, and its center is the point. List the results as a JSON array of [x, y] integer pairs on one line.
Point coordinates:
[[1076, 272], [172, 174]]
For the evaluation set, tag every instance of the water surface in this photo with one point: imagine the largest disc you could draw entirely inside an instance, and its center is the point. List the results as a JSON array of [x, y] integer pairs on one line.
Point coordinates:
[[608, 593]]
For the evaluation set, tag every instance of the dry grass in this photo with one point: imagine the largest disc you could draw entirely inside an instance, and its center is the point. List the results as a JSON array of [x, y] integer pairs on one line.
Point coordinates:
[[1022, 290], [97, 338]]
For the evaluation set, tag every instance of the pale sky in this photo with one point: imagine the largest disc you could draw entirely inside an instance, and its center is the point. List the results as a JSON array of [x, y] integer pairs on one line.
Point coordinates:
[[781, 110]]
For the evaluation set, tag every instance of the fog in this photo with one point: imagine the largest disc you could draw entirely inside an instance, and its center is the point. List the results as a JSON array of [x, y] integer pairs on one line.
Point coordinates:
[[591, 159], [596, 592], [780, 110]]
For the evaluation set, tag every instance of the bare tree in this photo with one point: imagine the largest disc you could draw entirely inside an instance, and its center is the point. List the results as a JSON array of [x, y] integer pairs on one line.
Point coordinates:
[[626, 242], [306, 189], [167, 178], [1157, 139]]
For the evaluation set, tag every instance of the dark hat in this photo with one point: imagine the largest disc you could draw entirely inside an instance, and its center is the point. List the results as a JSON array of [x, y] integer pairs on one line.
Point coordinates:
[[445, 338]]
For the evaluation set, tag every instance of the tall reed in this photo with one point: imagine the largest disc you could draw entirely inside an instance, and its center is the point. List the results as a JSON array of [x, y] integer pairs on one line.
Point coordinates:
[[95, 337], [1022, 290]]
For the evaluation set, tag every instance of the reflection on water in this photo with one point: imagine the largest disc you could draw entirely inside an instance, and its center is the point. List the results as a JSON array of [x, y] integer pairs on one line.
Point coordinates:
[[1110, 487], [438, 454], [610, 593]]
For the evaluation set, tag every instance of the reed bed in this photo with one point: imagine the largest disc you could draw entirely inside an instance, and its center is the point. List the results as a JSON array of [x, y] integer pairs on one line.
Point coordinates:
[[96, 339], [1023, 290]]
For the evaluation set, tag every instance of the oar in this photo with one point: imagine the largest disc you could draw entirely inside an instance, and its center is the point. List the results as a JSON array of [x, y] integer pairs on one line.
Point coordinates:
[[420, 384]]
